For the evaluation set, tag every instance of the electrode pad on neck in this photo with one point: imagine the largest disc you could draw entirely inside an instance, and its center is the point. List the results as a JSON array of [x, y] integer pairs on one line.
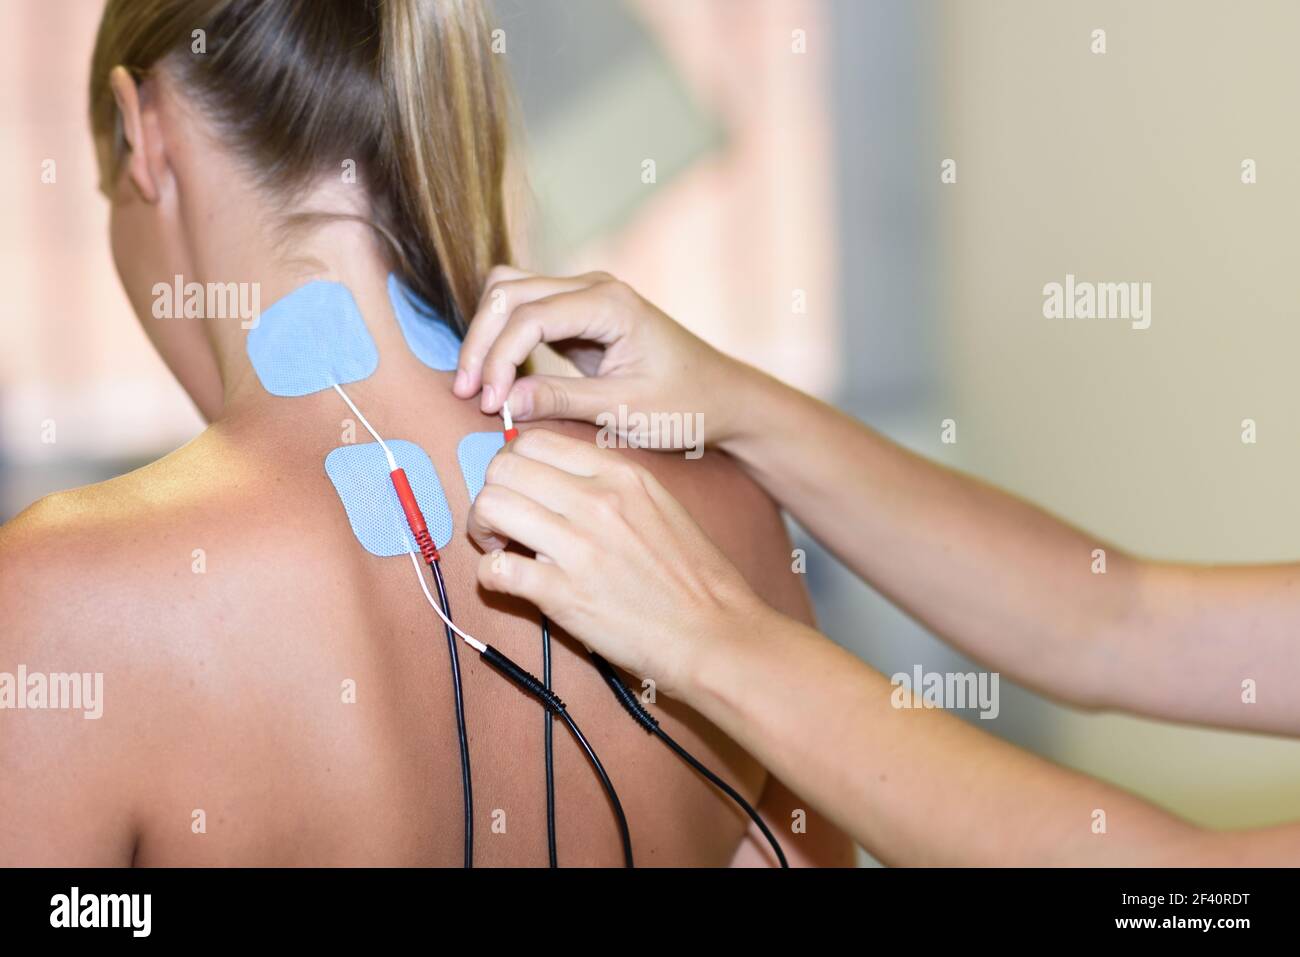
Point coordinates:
[[360, 474], [427, 334], [474, 453], [311, 340]]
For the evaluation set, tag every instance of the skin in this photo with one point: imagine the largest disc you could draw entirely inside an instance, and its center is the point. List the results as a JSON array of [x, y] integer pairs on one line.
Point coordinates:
[[1003, 581], [223, 690]]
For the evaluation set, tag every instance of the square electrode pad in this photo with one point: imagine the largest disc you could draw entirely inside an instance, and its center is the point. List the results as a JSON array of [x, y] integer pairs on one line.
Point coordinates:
[[360, 475], [427, 334], [474, 453], [310, 340]]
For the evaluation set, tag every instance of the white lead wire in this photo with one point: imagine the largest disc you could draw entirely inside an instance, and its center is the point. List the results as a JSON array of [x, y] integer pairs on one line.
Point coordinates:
[[424, 586], [410, 550], [392, 462]]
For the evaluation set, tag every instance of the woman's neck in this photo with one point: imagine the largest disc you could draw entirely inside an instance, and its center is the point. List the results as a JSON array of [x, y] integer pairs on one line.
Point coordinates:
[[344, 251]]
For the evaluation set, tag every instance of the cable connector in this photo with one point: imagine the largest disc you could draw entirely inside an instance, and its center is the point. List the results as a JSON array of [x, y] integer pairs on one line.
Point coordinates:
[[508, 423], [414, 517], [624, 695], [523, 679]]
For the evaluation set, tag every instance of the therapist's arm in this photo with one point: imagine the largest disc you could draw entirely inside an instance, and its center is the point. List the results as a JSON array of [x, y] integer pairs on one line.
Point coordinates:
[[622, 567], [921, 787], [1021, 590], [1009, 584]]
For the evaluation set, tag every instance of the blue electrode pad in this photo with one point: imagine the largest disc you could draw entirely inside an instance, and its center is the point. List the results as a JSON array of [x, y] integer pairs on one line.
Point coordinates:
[[427, 335], [360, 475], [475, 452], [310, 340]]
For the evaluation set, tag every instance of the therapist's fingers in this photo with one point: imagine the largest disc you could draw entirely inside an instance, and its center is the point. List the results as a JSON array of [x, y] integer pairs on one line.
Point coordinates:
[[611, 472], [573, 455], [631, 355], [490, 314], [628, 572], [521, 576], [503, 272], [537, 397], [583, 314], [506, 290], [500, 516], [562, 492]]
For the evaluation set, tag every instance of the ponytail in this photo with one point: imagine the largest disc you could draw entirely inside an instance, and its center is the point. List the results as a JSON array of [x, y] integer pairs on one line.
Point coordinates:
[[408, 89], [446, 132]]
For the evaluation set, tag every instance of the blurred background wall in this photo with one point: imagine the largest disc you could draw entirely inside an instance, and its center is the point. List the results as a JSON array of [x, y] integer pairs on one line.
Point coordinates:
[[1128, 166], [796, 216]]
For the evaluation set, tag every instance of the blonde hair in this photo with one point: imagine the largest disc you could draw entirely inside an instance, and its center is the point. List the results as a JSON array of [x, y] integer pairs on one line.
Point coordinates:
[[408, 89]]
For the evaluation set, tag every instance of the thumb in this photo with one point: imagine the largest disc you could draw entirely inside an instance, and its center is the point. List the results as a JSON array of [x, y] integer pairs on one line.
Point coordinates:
[[580, 398]]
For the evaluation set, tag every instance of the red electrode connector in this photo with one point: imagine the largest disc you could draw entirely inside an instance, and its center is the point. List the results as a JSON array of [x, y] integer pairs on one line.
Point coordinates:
[[508, 423], [414, 517]]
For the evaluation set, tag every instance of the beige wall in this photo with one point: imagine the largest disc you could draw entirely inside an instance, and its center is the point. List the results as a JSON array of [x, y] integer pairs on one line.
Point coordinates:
[[1127, 166]]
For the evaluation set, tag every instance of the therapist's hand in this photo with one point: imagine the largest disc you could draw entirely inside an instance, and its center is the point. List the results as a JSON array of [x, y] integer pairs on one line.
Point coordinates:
[[620, 564], [629, 353]]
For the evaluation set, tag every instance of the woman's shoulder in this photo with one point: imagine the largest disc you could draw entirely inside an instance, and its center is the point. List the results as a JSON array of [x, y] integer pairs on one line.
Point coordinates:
[[107, 594], [119, 560]]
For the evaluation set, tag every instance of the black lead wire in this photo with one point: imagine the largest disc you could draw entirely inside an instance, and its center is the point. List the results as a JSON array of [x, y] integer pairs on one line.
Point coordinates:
[[554, 706], [651, 724], [549, 744], [624, 835], [533, 686], [467, 785]]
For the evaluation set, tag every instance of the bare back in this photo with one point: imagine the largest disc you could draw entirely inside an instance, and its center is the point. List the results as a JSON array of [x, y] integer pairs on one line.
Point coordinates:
[[275, 695]]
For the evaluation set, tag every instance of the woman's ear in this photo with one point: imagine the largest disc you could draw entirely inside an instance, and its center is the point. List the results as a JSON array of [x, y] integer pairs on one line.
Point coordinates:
[[127, 94]]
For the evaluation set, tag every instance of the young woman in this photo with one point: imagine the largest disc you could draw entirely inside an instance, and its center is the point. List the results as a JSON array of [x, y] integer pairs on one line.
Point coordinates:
[[1005, 582], [272, 693]]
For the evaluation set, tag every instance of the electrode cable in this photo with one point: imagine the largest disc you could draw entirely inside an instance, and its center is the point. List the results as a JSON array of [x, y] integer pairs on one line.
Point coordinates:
[[540, 689], [532, 685], [388, 453], [462, 734], [501, 662], [639, 714], [467, 781], [648, 721], [548, 743], [548, 738]]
